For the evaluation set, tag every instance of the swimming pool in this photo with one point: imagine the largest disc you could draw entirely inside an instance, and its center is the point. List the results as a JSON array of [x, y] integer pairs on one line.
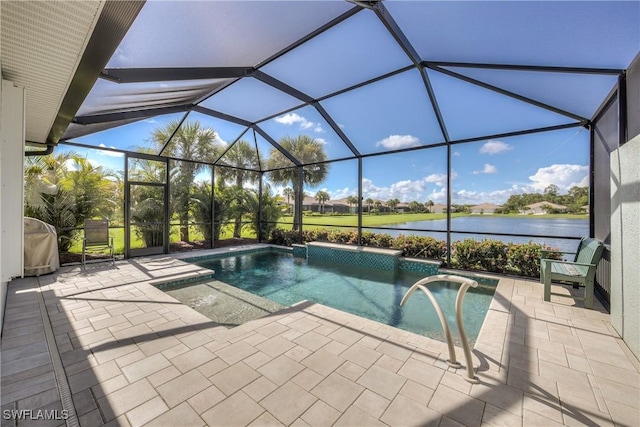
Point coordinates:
[[370, 293]]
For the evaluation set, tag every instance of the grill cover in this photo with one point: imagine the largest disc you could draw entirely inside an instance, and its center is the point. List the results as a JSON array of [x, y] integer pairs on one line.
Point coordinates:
[[40, 248]]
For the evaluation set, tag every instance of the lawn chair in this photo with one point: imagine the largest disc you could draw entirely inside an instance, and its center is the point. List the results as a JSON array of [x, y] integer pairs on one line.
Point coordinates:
[[580, 271], [96, 239]]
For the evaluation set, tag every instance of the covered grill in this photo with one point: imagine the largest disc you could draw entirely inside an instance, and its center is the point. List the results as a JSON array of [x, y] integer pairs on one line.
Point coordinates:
[[40, 248]]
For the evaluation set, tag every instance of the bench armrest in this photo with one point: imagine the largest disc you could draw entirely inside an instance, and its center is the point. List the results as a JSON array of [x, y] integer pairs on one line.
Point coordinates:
[[544, 252], [584, 264]]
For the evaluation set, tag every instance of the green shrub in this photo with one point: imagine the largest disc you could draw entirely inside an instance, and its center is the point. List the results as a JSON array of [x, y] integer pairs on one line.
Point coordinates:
[[485, 255], [278, 236], [524, 258], [494, 256], [421, 247]]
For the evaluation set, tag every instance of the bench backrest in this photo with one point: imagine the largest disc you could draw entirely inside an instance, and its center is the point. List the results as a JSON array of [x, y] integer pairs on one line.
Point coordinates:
[[96, 232], [589, 251]]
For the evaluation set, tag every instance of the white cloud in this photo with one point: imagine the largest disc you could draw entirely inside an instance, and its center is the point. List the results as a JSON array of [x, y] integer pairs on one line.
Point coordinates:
[[455, 153], [219, 140], [487, 169], [395, 142], [341, 193], [109, 153], [438, 179], [321, 141], [405, 190], [564, 176], [293, 118], [493, 146]]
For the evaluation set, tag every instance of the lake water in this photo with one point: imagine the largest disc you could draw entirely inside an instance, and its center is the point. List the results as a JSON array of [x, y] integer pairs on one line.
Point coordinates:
[[560, 227]]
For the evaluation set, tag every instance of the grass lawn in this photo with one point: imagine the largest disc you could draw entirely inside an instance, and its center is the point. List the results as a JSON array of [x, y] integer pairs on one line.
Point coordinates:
[[318, 221], [313, 222]]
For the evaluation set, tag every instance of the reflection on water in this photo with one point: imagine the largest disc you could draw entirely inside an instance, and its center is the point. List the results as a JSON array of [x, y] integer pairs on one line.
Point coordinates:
[[498, 224]]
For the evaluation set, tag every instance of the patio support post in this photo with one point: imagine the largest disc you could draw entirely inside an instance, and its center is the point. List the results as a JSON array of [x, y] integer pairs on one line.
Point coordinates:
[[449, 205], [213, 206], [592, 139], [359, 200], [622, 108], [297, 221], [260, 207], [167, 207], [127, 201]]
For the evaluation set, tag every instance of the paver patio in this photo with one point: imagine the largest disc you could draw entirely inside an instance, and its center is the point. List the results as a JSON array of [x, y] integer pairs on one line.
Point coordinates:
[[114, 350]]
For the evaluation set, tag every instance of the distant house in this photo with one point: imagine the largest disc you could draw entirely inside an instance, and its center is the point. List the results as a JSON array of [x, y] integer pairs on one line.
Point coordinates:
[[330, 206], [541, 208], [338, 206], [585, 208], [403, 207], [484, 208], [438, 208]]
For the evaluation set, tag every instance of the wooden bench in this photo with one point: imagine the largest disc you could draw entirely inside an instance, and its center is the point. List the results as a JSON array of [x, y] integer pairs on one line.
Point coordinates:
[[580, 271]]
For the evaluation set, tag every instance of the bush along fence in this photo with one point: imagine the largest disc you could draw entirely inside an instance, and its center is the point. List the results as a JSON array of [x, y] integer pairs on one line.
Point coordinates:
[[522, 259]]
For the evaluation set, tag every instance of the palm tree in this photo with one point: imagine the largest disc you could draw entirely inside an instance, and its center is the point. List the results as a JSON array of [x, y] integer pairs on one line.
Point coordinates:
[[288, 193], [376, 204], [352, 200], [369, 202], [241, 156], [306, 150], [322, 197], [190, 141], [429, 205], [392, 203], [413, 206], [66, 189]]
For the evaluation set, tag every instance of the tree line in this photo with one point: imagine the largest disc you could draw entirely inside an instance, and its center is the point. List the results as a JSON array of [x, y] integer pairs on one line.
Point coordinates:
[[65, 189]]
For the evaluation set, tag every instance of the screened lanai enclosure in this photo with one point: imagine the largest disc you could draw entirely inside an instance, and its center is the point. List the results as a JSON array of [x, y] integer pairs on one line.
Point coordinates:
[[439, 128]]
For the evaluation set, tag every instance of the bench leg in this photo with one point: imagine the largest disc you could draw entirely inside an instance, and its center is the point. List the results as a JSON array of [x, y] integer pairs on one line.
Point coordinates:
[[547, 287], [588, 294]]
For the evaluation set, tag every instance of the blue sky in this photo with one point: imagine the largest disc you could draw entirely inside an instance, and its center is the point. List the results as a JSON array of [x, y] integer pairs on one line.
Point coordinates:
[[396, 113]]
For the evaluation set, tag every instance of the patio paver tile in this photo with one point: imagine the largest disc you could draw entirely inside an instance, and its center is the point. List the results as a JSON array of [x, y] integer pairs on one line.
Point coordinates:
[[236, 410], [192, 359], [123, 400], [382, 382], [427, 375], [281, 369], [417, 392], [145, 367], [147, 411], [337, 391], [288, 402], [235, 352], [458, 406], [162, 376], [372, 403], [266, 420], [234, 378], [183, 387], [494, 416], [206, 399], [350, 370], [323, 362], [307, 379], [355, 416], [404, 411], [361, 355], [182, 414], [320, 414], [275, 346], [260, 388]]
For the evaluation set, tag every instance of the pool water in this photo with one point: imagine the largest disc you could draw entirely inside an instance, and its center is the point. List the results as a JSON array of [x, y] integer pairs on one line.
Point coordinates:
[[369, 293]]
